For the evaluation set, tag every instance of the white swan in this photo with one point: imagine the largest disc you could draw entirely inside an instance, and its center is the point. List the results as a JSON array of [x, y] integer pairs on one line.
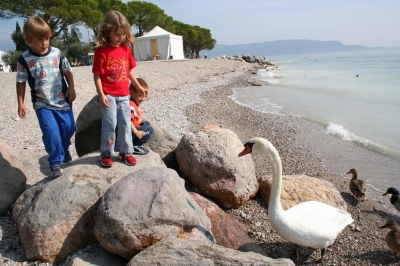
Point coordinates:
[[312, 223]]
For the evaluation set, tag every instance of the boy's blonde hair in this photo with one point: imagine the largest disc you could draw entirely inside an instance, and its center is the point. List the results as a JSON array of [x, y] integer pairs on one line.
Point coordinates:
[[142, 83], [112, 21], [35, 27]]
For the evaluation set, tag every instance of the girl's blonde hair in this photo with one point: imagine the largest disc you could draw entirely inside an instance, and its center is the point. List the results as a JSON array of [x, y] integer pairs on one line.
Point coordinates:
[[112, 21], [35, 27]]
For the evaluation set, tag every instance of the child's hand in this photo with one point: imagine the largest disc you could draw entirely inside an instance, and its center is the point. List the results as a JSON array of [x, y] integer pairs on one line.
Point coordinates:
[[140, 134], [71, 93], [22, 111], [104, 102], [142, 91]]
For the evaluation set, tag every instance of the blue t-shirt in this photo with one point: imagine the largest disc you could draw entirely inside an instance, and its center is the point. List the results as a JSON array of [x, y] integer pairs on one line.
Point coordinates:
[[45, 76]]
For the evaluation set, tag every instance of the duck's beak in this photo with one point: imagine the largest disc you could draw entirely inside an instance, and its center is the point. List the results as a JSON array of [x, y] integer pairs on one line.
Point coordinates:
[[348, 173], [384, 194], [246, 150]]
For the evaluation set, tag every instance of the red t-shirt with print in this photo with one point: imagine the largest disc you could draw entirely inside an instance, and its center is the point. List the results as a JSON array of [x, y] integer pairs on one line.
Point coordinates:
[[113, 64]]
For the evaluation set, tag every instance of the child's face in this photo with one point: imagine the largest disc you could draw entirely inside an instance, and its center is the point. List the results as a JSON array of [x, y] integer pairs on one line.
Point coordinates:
[[40, 45], [117, 37], [137, 97]]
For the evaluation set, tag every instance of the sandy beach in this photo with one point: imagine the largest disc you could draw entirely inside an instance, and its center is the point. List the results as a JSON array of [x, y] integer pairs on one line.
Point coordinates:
[[186, 95]]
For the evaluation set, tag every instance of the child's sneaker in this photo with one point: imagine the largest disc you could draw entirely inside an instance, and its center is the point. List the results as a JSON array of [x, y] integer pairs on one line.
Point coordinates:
[[56, 171], [67, 157], [140, 150], [127, 158], [106, 161]]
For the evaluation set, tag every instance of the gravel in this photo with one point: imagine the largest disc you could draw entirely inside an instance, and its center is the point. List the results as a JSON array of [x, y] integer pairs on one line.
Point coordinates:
[[183, 97]]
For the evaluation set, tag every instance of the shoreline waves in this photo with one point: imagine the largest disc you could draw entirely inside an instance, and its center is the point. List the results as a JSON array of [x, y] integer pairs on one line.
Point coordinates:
[[186, 95]]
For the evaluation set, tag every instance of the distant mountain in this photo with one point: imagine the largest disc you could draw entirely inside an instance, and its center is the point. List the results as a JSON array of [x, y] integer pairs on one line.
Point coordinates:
[[280, 48]]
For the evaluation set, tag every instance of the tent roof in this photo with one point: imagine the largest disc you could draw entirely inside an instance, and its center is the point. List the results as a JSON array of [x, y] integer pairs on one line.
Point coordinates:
[[158, 31]]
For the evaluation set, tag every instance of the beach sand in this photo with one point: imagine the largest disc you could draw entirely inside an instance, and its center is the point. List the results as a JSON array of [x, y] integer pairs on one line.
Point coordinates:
[[186, 95]]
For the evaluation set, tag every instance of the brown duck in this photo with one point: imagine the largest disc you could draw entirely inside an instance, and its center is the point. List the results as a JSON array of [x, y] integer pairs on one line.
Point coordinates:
[[358, 187], [392, 238]]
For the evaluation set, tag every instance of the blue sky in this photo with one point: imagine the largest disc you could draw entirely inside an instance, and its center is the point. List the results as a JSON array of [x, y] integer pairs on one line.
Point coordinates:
[[371, 23]]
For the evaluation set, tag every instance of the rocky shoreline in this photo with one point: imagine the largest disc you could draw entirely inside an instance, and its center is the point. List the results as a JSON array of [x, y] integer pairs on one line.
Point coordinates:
[[186, 95], [360, 244]]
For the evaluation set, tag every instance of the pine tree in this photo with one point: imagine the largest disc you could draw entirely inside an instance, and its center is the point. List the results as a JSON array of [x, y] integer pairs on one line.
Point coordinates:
[[18, 38]]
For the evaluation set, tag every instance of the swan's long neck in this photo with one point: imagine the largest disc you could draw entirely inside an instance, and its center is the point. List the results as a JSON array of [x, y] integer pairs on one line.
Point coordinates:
[[276, 165]]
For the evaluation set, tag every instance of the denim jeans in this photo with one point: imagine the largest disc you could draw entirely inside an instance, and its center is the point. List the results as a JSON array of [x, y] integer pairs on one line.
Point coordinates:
[[148, 130], [117, 114], [58, 127]]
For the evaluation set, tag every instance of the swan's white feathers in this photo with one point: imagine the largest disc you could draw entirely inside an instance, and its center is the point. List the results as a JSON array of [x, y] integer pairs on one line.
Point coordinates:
[[312, 223]]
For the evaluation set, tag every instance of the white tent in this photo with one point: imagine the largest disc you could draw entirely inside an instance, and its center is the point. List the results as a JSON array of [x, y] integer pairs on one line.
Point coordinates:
[[158, 44], [3, 67]]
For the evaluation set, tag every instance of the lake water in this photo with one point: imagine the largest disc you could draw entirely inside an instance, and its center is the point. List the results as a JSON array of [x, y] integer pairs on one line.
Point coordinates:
[[354, 95]]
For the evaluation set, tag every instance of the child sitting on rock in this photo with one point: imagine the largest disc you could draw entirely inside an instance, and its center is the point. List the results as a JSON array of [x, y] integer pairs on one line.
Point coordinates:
[[142, 131]]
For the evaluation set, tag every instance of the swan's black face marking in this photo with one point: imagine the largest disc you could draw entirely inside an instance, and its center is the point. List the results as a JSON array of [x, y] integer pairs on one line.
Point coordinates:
[[248, 148]]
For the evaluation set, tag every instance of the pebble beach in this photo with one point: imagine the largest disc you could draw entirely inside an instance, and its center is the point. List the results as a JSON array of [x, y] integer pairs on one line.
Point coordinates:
[[186, 95]]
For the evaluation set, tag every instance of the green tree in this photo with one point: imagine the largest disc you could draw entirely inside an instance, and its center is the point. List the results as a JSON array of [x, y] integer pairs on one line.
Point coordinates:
[[148, 16], [11, 59], [77, 50], [106, 5], [71, 37], [18, 38], [194, 38], [58, 14], [74, 50], [204, 40]]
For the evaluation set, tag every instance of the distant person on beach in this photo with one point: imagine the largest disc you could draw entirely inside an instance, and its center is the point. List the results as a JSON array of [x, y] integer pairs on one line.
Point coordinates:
[[75, 63], [44, 68], [142, 131], [112, 70], [205, 56]]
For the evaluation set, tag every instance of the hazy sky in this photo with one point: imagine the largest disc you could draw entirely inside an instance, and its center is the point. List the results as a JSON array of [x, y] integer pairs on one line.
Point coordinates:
[[365, 22]]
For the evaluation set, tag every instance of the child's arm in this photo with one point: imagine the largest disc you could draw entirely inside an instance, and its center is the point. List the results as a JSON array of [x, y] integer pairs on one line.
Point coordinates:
[[20, 99], [102, 97], [71, 86], [134, 81], [137, 133]]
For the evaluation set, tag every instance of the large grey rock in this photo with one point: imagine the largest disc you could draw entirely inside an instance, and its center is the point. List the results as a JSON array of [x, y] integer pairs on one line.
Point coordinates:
[[36, 165], [300, 188], [227, 231], [12, 177], [161, 142], [172, 251], [56, 217], [97, 259], [209, 160], [145, 207], [88, 132], [88, 128]]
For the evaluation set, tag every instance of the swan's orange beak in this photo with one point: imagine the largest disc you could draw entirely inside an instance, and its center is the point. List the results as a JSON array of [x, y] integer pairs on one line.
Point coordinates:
[[246, 150]]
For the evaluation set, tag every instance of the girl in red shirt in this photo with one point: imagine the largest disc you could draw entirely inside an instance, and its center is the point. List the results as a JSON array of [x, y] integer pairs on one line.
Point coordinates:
[[112, 70]]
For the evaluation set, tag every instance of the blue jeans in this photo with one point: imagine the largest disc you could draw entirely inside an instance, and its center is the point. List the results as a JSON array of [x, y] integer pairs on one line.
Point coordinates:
[[118, 113], [58, 126], [149, 131]]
